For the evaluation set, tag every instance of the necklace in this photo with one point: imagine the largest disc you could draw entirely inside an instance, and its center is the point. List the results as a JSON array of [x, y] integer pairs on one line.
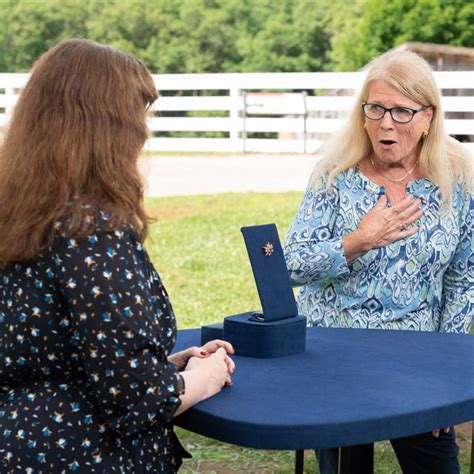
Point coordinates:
[[395, 180]]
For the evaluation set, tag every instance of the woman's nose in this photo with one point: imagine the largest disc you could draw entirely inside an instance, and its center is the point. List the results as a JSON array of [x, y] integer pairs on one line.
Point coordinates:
[[386, 122]]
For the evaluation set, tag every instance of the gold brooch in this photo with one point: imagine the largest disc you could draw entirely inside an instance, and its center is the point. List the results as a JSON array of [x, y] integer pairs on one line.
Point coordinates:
[[268, 249]]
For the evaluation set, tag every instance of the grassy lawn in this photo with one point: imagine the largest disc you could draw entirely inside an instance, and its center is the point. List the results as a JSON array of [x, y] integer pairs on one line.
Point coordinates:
[[197, 248]]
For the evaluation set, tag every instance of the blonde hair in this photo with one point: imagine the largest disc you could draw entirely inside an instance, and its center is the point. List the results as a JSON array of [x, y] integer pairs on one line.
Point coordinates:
[[442, 159], [72, 146]]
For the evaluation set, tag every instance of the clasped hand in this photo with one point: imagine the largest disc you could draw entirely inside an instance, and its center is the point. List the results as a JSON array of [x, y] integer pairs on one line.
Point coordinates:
[[217, 350]]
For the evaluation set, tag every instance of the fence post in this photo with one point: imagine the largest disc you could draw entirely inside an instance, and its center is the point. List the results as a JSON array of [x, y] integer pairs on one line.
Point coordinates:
[[244, 128], [234, 94], [305, 105]]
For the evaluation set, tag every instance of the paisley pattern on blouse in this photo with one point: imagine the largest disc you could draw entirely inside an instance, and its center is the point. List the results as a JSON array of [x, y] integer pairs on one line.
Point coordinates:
[[85, 331], [424, 282]]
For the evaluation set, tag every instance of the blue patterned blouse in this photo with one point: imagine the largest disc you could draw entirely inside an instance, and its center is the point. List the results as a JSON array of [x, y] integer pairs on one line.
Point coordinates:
[[424, 282]]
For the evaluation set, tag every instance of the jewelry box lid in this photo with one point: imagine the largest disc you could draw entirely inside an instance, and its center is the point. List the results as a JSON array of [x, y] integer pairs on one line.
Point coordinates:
[[270, 272]]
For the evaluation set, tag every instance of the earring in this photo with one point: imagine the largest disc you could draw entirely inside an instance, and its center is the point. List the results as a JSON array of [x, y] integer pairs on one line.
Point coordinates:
[[365, 126], [425, 133]]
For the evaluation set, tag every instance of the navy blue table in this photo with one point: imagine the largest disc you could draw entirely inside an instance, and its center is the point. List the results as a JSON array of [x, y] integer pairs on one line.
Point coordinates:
[[349, 387]]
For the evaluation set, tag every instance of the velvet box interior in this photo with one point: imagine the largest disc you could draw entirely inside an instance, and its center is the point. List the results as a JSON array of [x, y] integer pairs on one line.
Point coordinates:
[[278, 330]]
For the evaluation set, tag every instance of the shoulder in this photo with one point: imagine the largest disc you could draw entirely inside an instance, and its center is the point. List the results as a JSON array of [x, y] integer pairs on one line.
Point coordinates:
[[102, 255], [96, 233], [322, 178], [463, 196], [89, 221], [331, 181]]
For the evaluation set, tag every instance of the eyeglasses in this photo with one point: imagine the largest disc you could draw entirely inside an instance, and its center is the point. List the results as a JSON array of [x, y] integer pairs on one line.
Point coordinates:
[[398, 114]]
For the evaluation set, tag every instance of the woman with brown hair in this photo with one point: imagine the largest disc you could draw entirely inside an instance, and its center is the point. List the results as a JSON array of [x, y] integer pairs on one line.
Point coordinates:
[[86, 327]]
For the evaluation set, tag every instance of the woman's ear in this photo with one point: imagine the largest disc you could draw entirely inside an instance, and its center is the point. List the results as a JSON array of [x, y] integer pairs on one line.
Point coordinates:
[[428, 116]]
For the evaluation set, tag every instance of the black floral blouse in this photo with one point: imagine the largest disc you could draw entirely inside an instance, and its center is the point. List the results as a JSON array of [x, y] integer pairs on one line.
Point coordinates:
[[85, 331]]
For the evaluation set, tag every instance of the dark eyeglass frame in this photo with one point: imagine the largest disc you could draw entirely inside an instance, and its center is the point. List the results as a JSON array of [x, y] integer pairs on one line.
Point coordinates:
[[385, 110]]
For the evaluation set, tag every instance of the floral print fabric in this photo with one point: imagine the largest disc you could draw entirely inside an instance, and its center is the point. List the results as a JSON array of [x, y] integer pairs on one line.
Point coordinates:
[[85, 331], [424, 282]]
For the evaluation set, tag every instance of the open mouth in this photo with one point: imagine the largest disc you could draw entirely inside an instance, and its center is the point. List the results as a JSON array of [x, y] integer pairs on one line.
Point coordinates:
[[387, 142]]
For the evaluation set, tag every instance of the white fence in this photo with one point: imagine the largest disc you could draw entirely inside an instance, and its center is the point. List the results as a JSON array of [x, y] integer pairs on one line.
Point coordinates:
[[263, 112]]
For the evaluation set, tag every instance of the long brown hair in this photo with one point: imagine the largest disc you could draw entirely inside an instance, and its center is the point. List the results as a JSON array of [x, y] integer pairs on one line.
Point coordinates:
[[72, 145]]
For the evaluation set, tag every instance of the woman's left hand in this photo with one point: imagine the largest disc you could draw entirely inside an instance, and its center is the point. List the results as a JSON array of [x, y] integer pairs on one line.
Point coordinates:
[[435, 433], [181, 358]]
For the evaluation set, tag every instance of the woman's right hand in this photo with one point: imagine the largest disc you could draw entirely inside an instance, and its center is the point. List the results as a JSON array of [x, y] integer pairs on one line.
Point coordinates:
[[181, 358], [383, 225], [215, 369], [205, 377]]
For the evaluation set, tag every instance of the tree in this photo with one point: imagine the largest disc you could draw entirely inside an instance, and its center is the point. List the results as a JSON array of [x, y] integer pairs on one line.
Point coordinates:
[[175, 35], [30, 28], [372, 27], [288, 35], [234, 35]]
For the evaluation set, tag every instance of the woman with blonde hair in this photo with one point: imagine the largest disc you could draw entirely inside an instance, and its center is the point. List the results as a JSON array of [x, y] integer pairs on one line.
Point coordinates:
[[384, 235], [86, 328]]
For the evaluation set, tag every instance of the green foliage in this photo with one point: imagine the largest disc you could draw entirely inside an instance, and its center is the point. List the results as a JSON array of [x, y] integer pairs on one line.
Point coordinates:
[[217, 36], [30, 28], [174, 36], [373, 27], [439, 21], [149, 29], [291, 36], [177, 36]]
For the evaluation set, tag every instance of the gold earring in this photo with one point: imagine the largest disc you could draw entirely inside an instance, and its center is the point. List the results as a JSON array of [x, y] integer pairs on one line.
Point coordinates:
[[425, 133], [365, 126]]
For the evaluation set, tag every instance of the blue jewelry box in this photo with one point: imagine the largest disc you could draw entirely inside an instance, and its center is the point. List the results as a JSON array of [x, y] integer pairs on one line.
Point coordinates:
[[278, 330]]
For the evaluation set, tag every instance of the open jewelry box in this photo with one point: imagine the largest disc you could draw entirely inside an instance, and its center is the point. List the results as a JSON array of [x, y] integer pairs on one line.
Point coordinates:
[[277, 330]]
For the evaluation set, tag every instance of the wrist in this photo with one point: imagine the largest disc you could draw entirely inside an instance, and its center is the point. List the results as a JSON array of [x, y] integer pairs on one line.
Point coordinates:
[[197, 386], [355, 244], [175, 359], [362, 241], [181, 385]]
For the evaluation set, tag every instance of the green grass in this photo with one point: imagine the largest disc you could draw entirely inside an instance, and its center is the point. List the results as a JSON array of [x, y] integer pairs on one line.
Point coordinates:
[[197, 248]]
